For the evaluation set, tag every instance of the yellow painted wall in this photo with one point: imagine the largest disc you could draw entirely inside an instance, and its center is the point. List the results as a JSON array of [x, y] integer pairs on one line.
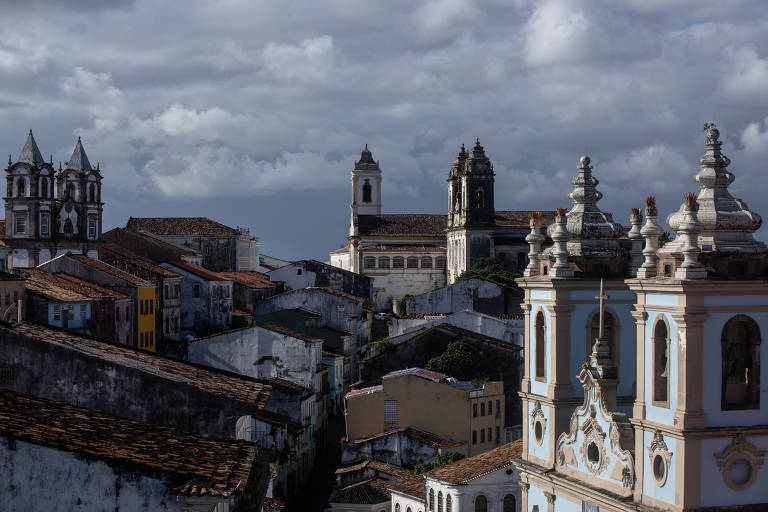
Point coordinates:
[[146, 319]]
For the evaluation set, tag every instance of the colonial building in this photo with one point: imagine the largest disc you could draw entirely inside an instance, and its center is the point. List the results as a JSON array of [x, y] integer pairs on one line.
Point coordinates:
[[642, 375], [49, 213], [410, 254]]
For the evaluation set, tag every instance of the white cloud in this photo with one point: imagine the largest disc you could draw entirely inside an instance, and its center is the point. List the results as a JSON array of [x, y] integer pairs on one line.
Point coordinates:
[[745, 74], [309, 61]]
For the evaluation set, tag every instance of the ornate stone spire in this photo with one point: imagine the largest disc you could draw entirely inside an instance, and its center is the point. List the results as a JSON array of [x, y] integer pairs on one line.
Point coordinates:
[[559, 234], [651, 232], [30, 153], [535, 238], [477, 162], [366, 161], [688, 232], [458, 165], [726, 222], [79, 160], [593, 232], [636, 238]]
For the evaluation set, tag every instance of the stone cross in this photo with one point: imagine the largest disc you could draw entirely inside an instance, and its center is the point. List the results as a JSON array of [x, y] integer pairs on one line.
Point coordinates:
[[602, 297]]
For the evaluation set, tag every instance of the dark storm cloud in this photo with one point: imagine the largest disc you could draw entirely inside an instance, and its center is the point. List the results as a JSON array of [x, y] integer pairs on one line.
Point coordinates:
[[253, 112]]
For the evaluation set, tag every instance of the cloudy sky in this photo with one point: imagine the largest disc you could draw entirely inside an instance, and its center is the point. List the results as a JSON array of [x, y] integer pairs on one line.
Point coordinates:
[[252, 112]]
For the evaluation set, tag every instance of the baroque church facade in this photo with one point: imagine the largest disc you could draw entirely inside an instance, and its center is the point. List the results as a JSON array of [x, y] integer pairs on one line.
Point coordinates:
[[50, 212], [643, 387], [417, 253]]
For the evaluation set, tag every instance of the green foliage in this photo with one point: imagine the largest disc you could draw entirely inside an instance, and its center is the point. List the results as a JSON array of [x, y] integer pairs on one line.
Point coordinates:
[[401, 305], [461, 361], [708, 125], [479, 382], [490, 269], [441, 459], [383, 346]]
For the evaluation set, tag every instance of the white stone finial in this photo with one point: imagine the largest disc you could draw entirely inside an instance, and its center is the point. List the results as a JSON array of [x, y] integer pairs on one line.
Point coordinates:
[[561, 236], [689, 230], [651, 232], [636, 237], [535, 238]]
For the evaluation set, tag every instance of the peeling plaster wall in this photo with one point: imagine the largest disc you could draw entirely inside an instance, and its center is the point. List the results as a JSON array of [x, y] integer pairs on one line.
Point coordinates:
[[40, 478], [308, 273]]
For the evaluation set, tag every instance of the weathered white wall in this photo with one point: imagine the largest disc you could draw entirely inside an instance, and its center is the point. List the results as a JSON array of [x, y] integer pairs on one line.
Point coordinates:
[[494, 486], [260, 353], [509, 330], [456, 297], [397, 448], [393, 284], [40, 478]]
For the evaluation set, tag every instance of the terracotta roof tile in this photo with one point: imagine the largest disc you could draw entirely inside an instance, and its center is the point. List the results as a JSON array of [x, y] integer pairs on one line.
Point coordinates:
[[415, 487], [464, 470], [375, 465], [364, 391], [192, 464], [91, 289], [109, 269], [139, 261], [250, 279], [199, 271], [521, 218], [273, 505], [207, 379], [287, 384], [46, 284], [414, 433], [367, 492], [403, 225], [179, 226], [338, 293]]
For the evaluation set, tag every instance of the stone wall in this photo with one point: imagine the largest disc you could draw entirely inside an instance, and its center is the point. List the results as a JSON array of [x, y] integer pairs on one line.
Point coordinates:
[[397, 448], [473, 294], [510, 330]]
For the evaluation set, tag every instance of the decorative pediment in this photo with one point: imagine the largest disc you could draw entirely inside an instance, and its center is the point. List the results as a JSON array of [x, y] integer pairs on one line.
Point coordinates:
[[603, 439], [538, 423]]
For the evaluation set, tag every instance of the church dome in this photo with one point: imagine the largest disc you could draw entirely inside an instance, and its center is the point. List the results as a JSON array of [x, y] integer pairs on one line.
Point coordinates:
[[366, 161]]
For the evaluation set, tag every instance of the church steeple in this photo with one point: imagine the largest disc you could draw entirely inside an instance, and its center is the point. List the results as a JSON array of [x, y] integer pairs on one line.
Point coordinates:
[[30, 153], [79, 160], [366, 187]]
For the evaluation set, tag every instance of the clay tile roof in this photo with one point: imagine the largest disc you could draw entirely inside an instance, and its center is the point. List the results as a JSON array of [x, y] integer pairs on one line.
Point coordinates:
[[381, 467], [193, 465], [249, 279], [402, 224], [93, 289], [367, 492], [418, 372], [273, 505], [414, 433], [415, 487], [289, 332], [464, 470], [199, 271], [364, 391], [178, 226], [109, 269], [46, 284], [288, 385], [139, 261], [521, 218], [214, 381]]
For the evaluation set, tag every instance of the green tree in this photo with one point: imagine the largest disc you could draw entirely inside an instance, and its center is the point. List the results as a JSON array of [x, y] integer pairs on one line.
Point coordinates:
[[459, 360], [441, 459], [383, 346], [490, 269]]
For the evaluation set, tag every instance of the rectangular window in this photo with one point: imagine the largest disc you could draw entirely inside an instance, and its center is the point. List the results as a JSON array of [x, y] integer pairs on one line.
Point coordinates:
[[482, 435], [151, 306], [474, 410], [21, 223], [474, 437], [45, 224], [196, 290], [482, 409], [490, 408], [92, 227], [165, 291], [83, 311], [56, 310], [490, 434], [498, 408], [390, 412], [141, 339]]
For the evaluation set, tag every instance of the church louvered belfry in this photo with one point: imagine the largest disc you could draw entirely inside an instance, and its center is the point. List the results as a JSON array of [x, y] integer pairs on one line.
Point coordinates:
[[50, 212]]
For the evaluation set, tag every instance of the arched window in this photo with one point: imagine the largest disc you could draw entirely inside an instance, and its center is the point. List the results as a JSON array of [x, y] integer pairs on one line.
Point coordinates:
[[661, 363], [21, 186], [741, 363], [71, 191], [92, 192], [367, 192], [426, 262], [369, 262], [509, 503], [440, 501], [480, 197], [440, 262], [413, 262], [540, 331], [44, 188], [448, 503], [397, 507], [398, 262], [431, 500], [610, 331], [383, 261], [481, 504]]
